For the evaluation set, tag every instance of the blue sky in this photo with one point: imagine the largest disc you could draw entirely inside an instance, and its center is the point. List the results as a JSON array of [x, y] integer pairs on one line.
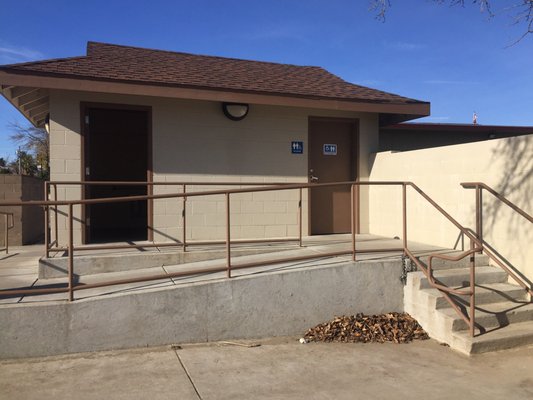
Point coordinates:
[[457, 58]]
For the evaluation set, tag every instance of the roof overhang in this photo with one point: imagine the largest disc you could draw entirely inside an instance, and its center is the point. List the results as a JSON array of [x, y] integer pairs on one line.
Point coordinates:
[[18, 88], [32, 102]]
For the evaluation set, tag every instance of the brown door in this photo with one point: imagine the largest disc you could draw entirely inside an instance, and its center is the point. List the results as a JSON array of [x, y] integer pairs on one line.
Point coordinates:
[[116, 149], [332, 158]]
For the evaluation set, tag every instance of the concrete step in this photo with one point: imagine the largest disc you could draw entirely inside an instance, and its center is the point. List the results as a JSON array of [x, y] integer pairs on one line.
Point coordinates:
[[485, 294], [461, 277], [492, 315], [511, 336], [503, 315], [439, 264]]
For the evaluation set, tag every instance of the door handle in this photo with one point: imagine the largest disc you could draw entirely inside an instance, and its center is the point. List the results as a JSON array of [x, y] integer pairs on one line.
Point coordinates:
[[312, 177]]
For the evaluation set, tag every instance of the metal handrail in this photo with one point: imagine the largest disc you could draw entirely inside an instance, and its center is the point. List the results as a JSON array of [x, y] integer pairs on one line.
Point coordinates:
[[7, 227], [71, 248], [160, 183], [432, 279], [472, 289], [54, 184], [480, 185], [229, 267], [474, 241]]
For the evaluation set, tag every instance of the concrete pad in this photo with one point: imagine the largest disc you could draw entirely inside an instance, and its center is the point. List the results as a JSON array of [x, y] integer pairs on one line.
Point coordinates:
[[422, 370], [126, 375], [18, 270], [17, 281], [280, 368]]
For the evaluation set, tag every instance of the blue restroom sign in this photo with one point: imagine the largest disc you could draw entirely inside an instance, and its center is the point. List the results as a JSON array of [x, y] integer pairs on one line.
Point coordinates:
[[330, 150], [297, 147]]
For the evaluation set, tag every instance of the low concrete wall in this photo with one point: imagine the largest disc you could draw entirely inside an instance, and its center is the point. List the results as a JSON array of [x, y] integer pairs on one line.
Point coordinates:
[[269, 304], [29, 221]]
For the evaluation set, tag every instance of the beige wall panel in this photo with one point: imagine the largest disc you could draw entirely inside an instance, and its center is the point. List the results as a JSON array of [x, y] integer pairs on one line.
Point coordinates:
[[194, 141], [504, 164]]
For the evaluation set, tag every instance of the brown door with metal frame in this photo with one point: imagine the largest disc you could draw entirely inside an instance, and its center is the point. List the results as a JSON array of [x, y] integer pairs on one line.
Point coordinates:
[[116, 149], [332, 158]]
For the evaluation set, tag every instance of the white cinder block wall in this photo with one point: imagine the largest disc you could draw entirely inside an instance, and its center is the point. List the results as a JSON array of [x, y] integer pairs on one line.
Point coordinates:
[[194, 142], [504, 164]]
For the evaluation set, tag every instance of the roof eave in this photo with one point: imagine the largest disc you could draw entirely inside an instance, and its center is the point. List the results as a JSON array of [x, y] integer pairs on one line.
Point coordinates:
[[30, 80]]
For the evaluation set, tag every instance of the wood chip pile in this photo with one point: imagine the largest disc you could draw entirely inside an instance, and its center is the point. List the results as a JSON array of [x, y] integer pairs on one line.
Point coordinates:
[[391, 327]]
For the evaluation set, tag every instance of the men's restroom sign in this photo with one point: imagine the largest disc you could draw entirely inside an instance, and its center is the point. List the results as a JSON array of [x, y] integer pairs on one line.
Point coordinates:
[[330, 150], [297, 147]]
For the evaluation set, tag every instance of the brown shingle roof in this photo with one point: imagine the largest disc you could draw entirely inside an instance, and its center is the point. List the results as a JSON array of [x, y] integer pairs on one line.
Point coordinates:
[[146, 66]]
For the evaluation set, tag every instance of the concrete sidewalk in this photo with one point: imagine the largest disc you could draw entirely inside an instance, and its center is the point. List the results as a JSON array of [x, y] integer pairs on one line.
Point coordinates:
[[278, 369]]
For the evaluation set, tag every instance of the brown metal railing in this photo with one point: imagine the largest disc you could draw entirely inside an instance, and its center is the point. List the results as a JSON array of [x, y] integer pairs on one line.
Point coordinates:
[[50, 189], [7, 226], [479, 187], [476, 244]]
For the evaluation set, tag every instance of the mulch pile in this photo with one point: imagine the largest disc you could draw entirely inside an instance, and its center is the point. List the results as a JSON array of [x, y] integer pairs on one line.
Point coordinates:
[[391, 327]]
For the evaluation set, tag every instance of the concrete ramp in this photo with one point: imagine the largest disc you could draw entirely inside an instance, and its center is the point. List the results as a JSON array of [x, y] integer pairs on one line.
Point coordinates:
[[278, 302], [103, 262]]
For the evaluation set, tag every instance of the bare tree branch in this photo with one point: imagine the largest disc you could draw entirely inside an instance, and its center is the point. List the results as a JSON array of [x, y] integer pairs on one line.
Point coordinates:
[[34, 141], [521, 11], [380, 7]]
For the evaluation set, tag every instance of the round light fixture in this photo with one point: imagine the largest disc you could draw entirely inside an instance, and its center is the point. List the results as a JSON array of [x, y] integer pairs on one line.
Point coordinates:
[[47, 123], [235, 111]]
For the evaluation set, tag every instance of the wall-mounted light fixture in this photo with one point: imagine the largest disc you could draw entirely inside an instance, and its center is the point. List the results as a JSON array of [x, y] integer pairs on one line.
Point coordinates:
[[235, 111], [47, 123]]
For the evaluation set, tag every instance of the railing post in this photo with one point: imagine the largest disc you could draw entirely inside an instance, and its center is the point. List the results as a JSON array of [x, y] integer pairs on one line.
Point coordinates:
[[184, 219], [70, 254], [228, 237], [6, 233], [354, 228], [357, 193], [479, 215], [404, 217], [472, 290], [46, 223], [56, 224], [300, 218]]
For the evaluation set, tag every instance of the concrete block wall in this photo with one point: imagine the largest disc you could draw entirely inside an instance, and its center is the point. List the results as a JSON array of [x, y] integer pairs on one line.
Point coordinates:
[[194, 142], [504, 164], [252, 215], [28, 221]]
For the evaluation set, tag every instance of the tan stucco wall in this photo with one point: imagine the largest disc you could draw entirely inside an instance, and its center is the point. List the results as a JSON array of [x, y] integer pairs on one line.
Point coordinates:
[[504, 164], [194, 141]]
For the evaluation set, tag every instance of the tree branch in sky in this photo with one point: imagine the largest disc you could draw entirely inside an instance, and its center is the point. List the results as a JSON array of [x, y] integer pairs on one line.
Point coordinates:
[[521, 11]]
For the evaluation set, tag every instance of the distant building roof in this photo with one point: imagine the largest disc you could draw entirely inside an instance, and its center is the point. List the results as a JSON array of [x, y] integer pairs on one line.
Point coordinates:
[[464, 128], [414, 136]]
